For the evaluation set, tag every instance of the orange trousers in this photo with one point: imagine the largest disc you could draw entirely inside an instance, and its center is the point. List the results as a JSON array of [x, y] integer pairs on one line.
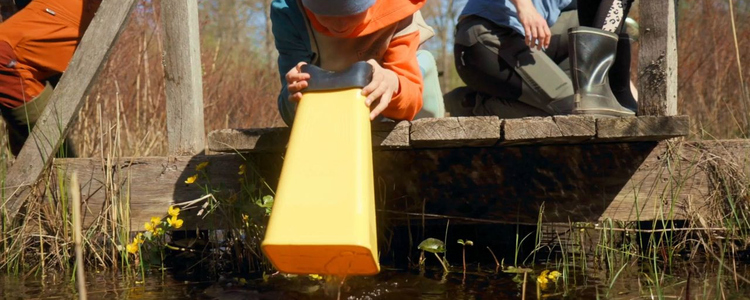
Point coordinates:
[[37, 43]]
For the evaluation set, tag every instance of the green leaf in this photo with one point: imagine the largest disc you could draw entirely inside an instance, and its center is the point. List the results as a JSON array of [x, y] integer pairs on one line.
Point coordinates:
[[460, 241], [267, 201], [432, 245]]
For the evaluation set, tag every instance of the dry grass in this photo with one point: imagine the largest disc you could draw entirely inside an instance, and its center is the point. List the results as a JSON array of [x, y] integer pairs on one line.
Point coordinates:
[[239, 89]]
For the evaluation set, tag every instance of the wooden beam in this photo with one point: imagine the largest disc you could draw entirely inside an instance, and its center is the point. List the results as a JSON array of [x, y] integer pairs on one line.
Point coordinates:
[[391, 135], [473, 132], [453, 131], [585, 183], [564, 129], [249, 140], [642, 128], [385, 135], [183, 75], [657, 62], [67, 99]]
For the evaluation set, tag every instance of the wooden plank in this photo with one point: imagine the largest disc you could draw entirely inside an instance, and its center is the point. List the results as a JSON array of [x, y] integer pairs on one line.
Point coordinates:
[[155, 183], [249, 140], [646, 128], [688, 180], [54, 123], [391, 135], [473, 132], [455, 131], [578, 183], [386, 135], [183, 77], [548, 130], [657, 62]]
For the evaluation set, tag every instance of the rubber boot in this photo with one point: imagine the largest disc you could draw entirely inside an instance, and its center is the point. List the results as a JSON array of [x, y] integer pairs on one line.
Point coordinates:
[[619, 76], [592, 53]]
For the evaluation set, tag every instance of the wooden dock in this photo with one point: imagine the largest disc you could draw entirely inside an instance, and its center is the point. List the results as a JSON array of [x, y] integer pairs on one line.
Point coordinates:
[[468, 169], [624, 178]]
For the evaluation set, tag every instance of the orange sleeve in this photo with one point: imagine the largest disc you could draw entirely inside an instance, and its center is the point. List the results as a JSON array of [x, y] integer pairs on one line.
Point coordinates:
[[401, 58]]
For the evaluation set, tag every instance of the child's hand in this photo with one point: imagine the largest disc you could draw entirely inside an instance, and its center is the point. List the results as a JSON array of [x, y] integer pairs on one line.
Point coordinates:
[[384, 83], [296, 82]]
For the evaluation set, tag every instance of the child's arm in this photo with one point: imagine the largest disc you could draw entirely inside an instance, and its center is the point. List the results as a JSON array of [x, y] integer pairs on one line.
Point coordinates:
[[401, 58], [289, 43]]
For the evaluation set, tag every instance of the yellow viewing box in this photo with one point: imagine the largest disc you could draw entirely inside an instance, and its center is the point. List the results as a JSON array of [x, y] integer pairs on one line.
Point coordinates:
[[323, 216]]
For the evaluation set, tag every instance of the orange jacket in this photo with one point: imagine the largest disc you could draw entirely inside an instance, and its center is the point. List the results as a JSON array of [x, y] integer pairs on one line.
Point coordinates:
[[399, 55]]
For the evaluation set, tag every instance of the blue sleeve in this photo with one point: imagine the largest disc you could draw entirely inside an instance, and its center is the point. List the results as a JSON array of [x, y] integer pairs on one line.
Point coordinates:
[[291, 38]]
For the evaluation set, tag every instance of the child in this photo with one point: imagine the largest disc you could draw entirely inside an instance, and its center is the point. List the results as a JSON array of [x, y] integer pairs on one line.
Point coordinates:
[[334, 34]]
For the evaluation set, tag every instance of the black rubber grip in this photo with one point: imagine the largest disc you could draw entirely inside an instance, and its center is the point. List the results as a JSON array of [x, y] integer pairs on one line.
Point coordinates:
[[358, 75]]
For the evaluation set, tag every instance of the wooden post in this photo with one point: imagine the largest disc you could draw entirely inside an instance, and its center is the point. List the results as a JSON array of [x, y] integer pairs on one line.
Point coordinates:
[[657, 62], [184, 82], [67, 99]]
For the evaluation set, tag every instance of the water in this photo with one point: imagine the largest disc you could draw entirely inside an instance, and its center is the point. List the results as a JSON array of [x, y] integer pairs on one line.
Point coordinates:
[[633, 282]]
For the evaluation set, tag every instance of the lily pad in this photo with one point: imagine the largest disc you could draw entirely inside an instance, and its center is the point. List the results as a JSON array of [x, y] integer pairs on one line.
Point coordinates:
[[432, 245]]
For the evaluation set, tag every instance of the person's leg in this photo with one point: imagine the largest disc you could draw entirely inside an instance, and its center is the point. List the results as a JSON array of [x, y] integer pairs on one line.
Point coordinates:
[[619, 75], [494, 60], [21, 120], [609, 16], [42, 38], [432, 96]]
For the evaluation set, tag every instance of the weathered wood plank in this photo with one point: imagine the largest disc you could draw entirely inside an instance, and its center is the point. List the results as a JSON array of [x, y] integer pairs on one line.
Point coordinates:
[[183, 77], [657, 62], [385, 135], [472, 131], [249, 140], [642, 128], [155, 183], [455, 131], [67, 99], [584, 183], [691, 180], [391, 135], [564, 129]]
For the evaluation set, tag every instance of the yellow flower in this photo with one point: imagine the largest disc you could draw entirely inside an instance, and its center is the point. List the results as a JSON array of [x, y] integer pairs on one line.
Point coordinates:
[[138, 238], [245, 217], [542, 279], [315, 277], [151, 226], [173, 211], [242, 170], [132, 247], [175, 222], [159, 231], [554, 275], [191, 179], [201, 166]]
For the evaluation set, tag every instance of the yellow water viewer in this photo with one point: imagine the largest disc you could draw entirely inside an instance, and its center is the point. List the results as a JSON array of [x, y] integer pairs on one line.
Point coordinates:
[[323, 216]]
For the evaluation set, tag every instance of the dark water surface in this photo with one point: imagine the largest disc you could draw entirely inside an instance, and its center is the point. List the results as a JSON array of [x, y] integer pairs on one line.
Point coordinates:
[[633, 282]]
